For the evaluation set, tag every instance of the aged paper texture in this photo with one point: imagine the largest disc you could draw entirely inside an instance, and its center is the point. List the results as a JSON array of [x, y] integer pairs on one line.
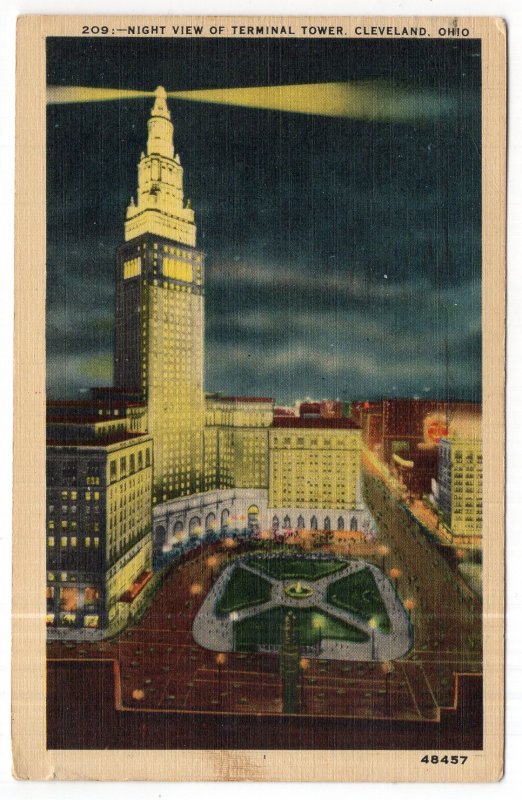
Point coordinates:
[[259, 399]]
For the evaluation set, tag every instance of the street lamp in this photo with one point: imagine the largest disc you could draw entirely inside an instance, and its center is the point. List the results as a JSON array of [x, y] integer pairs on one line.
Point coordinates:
[[409, 605], [383, 551], [395, 573], [220, 660], [212, 563], [387, 668], [373, 625]]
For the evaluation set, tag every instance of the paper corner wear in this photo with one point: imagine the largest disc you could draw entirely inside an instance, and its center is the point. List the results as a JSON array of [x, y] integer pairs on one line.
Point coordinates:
[[259, 390]]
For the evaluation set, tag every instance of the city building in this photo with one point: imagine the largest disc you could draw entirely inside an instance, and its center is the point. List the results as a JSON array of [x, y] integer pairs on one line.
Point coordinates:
[[236, 441], [368, 415], [408, 423], [98, 526], [159, 324], [458, 491], [416, 470]]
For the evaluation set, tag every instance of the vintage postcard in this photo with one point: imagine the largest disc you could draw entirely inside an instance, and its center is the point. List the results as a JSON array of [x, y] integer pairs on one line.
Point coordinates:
[[259, 399]]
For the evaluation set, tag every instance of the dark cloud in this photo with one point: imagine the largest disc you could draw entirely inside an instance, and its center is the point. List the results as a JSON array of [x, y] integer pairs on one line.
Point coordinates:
[[343, 256]]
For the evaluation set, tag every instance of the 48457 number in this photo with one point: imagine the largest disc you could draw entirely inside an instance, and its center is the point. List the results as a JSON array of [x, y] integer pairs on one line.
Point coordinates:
[[443, 759]]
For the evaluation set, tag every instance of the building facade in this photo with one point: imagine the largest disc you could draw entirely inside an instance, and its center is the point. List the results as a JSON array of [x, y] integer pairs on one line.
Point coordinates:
[[408, 423], [159, 325], [458, 491], [99, 530], [314, 463], [236, 441]]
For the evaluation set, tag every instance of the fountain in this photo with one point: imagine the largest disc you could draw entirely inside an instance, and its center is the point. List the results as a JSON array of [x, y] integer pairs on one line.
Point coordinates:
[[298, 591]]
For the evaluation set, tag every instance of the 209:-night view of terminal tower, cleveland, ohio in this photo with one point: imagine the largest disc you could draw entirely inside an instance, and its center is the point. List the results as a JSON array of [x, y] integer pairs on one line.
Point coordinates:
[[273, 525]]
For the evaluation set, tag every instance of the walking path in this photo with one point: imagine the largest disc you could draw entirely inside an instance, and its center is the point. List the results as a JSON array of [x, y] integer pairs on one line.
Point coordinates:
[[216, 632]]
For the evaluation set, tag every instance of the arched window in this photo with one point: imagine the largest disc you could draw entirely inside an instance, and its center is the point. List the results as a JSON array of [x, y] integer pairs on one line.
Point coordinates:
[[353, 524], [160, 535], [210, 522], [286, 522], [178, 530], [275, 523], [195, 526], [327, 524], [313, 523], [224, 517], [340, 524], [300, 522], [253, 516]]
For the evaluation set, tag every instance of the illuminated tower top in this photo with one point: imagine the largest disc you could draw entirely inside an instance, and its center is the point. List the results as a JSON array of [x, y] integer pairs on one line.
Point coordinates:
[[161, 129], [160, 207]]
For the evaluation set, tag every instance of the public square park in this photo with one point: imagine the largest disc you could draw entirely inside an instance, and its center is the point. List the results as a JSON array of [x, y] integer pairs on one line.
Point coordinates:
[[159, 664], [344, 609]]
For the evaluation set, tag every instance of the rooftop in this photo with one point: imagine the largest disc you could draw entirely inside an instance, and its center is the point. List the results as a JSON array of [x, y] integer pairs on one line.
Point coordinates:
[[243, 399], [315, 422], [100, 441]]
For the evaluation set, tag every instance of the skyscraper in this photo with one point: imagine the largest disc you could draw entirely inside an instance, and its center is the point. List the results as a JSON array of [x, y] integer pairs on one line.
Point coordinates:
[[159, 312]]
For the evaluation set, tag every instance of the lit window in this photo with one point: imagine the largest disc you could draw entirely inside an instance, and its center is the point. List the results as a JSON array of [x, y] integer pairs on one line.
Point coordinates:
[[50, 541], [63, 541], [87, 541], [50, 524], [74, 541]]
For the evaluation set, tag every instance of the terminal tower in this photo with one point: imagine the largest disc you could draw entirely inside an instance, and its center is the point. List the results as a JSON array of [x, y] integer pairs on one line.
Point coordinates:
[[159, 328]]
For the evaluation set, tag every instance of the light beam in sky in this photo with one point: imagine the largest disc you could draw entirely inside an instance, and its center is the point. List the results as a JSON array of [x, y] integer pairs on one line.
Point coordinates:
[[367, 100]]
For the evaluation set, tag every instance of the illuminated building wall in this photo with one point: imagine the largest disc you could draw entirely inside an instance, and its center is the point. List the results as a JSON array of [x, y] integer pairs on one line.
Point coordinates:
[[236, 441], [407, 422], [460, 488], [314, 463], [159, 313], [99, 519]]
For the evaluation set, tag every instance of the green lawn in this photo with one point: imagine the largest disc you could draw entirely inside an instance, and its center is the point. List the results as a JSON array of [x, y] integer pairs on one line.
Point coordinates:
[[358, 594], [311, 625], [282, 568], [244, 589]]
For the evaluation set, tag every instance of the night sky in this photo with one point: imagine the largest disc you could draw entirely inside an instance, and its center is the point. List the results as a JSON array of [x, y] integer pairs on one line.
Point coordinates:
[[343, 256]]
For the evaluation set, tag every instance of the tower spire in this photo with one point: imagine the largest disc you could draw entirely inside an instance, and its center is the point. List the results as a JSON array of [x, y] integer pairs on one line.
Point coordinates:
[[161, 129], [160, 204], [160, 107]]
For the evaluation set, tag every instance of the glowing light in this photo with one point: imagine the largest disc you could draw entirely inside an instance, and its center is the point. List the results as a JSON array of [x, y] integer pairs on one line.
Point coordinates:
[[221, 659], [373, 623], [196, 589], [383, 550], [138, 694], [368, 100], [409, 604], [387, 667], [89, 94], [212, 562], [395, 573], [304, 663]]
